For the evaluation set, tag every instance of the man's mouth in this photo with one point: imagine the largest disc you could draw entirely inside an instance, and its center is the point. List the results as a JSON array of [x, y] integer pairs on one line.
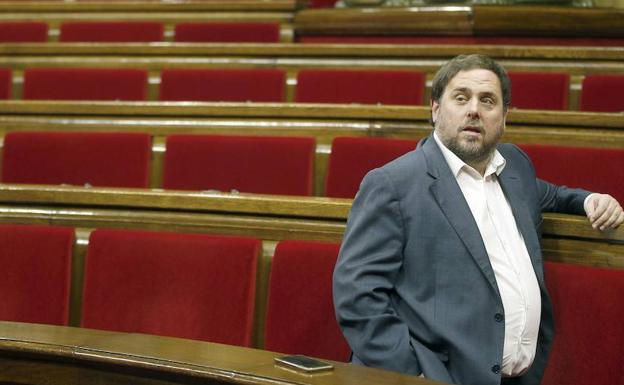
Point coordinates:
[[472, 129]]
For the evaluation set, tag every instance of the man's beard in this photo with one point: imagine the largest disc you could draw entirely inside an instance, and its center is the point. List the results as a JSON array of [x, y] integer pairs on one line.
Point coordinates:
[[473, 151]]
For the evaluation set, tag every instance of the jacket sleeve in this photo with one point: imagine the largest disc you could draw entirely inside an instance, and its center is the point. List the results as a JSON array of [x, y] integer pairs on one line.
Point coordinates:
[[561, 199], [370, 259]]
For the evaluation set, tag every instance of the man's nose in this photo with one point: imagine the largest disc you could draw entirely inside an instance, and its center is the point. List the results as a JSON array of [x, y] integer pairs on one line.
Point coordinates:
[[473, 108]]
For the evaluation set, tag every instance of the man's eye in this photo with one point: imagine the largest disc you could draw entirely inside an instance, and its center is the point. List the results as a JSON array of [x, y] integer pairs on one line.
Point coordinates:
[[487, 100], [461, 98]]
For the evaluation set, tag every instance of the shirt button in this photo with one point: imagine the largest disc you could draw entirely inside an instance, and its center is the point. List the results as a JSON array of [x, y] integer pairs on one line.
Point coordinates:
[[498, 317], [496, 369]]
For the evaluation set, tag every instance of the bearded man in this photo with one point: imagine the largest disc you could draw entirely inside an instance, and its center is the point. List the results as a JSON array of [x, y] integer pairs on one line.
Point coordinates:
[[440, 273]]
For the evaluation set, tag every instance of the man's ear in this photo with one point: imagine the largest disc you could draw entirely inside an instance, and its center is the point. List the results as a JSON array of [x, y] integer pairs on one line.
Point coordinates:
[[435, 109]]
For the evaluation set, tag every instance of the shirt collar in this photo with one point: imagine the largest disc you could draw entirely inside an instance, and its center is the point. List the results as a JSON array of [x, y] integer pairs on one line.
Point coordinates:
[[495, 166]]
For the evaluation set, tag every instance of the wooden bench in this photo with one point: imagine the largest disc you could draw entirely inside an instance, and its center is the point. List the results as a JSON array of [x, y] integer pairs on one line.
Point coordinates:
[[168, 13], [577, 61], [270, 218], [323, 122]]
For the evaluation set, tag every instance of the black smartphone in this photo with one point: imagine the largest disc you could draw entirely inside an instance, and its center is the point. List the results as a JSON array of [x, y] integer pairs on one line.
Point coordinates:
[[303, 363]]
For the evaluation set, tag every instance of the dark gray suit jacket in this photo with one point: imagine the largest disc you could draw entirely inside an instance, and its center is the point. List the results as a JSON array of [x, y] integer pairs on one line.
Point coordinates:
[[414, 290]]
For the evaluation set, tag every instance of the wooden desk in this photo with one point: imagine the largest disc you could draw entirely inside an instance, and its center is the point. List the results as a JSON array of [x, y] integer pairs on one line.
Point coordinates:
[[41, 354]]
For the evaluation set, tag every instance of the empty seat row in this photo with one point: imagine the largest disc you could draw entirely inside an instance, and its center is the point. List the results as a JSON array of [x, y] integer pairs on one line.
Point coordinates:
[[141, 31], [233, 85], [530, 90], [257, 164], [194, 286]]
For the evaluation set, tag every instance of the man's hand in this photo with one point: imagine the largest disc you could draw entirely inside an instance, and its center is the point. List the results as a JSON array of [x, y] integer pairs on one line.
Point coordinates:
[[604, 212]]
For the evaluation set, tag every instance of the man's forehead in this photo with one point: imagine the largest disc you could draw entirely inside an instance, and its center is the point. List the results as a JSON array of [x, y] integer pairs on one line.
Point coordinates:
[[481, 79]]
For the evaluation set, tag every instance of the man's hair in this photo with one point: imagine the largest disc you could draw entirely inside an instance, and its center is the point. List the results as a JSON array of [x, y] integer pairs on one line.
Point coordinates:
[[467, 63]]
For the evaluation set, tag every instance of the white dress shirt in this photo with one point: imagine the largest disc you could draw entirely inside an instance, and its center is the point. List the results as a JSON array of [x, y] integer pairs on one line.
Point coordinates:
[[508, 255]]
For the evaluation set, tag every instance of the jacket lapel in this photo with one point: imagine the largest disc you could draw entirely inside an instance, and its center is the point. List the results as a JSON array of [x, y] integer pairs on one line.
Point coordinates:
[[449, 197], [512, 186]]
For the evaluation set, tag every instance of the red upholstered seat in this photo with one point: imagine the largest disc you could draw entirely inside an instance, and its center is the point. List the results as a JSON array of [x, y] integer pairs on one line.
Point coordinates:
[[231, 85], [321, 3], [85, 84], [23, 32], [111, 31], [99, 158], [252, 164], [6, 83], [35, 275], [193, 286], [588, 304], [539, 90], [228, 32], [360, 86], [351, 158], [595, 169], [300, 313], [602, 93]]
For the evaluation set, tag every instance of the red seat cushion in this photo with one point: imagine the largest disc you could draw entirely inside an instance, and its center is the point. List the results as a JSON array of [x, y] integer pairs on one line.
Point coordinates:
[[253, 164], [588, 304], [111, 31], [360, 86], [300, 311], [595, 169], [85, 84], [233, 32], [352, 158], [539, 90], [99, 158], [6, 83], [35, 276], [182, 285], [602, 93], [23, 32], [232, 85]]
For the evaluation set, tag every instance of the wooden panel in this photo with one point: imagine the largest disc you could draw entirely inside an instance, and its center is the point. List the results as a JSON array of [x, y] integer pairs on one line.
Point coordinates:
[[548, 21], [476, 20], [386, 21]]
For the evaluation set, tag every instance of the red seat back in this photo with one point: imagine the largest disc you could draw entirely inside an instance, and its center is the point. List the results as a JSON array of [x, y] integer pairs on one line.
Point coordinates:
[[193, 286], [6, 83], [85, 84], [595, 169], [231, 85], [99, 159], [23, 32], [232, 32], [539, 90], [253, 164], [589, 342], [351, 158], [360, 86], [111, 31], [602, 93], [300, 312], [35, 275]]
